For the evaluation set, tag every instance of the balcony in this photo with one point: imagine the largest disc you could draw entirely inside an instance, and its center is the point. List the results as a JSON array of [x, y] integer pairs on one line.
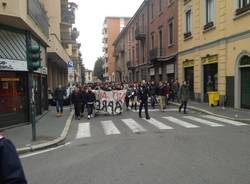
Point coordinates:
[[140, 33], [243, 9], [69, 37], [156, 53], [130, 65], [68, 13], [37, 12]]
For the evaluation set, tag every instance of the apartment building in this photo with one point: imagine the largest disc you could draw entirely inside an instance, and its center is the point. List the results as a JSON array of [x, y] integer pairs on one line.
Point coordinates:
[[88, 76], [112, 26], [214, 39], [163, 39], [23, 23], [151, 42]]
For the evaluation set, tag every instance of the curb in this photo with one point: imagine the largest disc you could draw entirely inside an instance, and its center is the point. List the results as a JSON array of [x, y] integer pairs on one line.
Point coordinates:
[[48, 144], [211, 113]]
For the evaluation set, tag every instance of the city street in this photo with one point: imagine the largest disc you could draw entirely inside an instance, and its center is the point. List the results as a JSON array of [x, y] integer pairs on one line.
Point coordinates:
[[170, 148]]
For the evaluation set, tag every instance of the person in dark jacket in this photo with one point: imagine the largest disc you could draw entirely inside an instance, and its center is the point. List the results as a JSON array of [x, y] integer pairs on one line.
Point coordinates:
[[84, 100], [184, 96], [77, 99], [59, 93], [153, 90], [11, 170], [91, 98], [143, 94]]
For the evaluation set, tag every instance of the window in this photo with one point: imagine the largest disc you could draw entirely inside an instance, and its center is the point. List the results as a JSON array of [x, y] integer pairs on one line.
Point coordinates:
[[243, 6], [152, 41], [188, 28], [170, 33], [152, 11], [160, 5], [160, 42], [209, 13]]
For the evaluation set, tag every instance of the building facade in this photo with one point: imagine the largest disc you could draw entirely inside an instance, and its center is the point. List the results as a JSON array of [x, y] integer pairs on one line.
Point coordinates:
[[150, 42], [88, 76], [214, 45], [19, 31], [163, 39], [112, 26]]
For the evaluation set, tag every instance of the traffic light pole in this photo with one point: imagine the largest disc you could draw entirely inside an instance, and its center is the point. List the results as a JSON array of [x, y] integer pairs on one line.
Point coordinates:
[[32, 105]]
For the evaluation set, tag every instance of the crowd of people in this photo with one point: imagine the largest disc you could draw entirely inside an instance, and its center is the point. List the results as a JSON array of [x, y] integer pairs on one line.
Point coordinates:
[[138, 95]]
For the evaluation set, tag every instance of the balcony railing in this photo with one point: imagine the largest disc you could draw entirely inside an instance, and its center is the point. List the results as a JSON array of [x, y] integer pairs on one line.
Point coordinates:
[[38, 13], [69, 36], [130, 65], [156, 53], [140, 33], [68, 13], [243, 9]]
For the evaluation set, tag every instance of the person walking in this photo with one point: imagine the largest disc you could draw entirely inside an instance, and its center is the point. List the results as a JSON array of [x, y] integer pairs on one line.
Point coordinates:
[[11, 170], [84, 100], [184, 96], [143, 94], [91, 98], [162, 97], [134, 96], [153, 88], [77, 99], [59, 94]]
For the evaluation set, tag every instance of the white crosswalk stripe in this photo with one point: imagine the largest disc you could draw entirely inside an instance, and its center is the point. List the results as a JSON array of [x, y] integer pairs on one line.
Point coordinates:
[[158, 124], [83, 130], [180, 122], [206, 122], [134, 126], [235, 123], [110, 128]]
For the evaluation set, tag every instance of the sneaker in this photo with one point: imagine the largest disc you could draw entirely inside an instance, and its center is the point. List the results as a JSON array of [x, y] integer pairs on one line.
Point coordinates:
[[148, 117], [58, 114], [61, 114], [88, 116], [78, 118]]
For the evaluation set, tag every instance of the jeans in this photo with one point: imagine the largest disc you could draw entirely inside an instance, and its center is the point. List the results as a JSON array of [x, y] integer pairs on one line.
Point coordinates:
[[77, 109], [145, 104], [59, 106], [183, 103], [153, 101], [90, 108]]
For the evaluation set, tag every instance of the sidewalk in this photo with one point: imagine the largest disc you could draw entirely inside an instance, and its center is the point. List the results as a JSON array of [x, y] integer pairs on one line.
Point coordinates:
[[50, 130], [225, 112]]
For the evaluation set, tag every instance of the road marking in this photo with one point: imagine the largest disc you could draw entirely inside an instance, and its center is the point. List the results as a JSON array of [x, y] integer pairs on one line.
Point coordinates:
[[199, 120], [110, 128], [236, 123], [156, 110], [43, 151], [158, 124], [135, 127], [83, 130], [180, 122]]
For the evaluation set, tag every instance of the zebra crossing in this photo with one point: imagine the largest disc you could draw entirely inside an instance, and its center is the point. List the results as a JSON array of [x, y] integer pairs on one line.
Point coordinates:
[[111, 127]]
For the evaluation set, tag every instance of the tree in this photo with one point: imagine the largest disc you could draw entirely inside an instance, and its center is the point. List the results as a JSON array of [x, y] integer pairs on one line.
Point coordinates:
[[98, 69]]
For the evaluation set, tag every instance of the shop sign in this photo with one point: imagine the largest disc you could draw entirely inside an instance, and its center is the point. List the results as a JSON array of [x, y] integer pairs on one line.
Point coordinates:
[[188, 63], [42, 70], [209, 60], [170, 68], [152, 71], [71, 72], [6, 79], [13, 65]]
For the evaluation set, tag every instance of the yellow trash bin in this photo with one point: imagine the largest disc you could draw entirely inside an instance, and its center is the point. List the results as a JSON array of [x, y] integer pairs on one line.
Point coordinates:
[[213, 98]]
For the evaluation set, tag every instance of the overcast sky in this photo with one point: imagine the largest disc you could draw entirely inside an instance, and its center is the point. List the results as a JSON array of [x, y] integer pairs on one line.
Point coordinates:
[[89, 21]]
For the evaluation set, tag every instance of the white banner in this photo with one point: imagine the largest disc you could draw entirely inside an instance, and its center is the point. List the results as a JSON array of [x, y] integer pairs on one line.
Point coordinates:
[[16, 65], [110, 102], [71, 72]]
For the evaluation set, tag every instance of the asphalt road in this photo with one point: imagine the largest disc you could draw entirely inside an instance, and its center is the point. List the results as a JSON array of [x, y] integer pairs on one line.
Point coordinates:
[[128, 150]]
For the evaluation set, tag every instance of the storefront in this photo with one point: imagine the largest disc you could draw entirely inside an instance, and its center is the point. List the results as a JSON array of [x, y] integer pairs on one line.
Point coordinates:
[[210, 75], [189, 76], [14, 86]]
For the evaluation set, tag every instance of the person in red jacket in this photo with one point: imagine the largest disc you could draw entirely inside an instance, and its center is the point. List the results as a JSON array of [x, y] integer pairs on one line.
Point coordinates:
[[11, 170]]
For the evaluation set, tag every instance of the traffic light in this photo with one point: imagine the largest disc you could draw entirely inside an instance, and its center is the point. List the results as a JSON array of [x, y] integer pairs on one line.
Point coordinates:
[[34, 57]]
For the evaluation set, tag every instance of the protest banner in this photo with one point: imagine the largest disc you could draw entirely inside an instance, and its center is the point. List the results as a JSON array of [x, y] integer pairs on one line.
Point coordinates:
[[109, 102]]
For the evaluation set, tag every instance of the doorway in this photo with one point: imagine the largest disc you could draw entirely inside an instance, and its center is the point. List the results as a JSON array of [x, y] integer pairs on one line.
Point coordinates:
[[189, 77]]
